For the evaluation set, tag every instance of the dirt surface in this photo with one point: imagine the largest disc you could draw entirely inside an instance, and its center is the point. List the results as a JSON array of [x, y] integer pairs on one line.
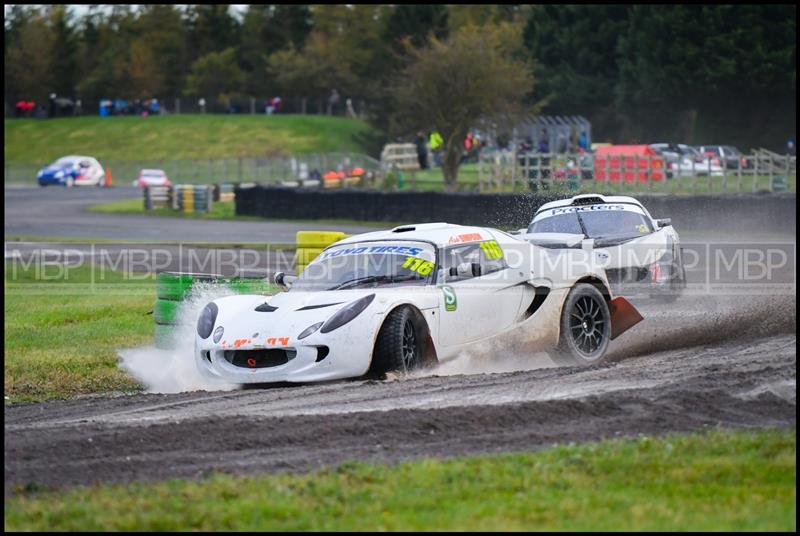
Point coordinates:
[[697, 365]]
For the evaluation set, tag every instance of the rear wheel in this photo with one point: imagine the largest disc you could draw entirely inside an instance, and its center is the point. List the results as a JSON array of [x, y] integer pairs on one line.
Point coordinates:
[[399, 347], [585, 327]]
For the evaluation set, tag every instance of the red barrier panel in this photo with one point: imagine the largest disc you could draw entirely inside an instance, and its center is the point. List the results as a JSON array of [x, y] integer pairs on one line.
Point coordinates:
[[618, 162]]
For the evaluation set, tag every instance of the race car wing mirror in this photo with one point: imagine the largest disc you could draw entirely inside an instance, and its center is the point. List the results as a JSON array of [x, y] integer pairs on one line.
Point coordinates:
[[663, 222], [283, 280]]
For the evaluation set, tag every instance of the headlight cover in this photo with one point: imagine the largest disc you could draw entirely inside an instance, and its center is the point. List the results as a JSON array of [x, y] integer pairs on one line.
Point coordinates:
[[309, 330], [218, 334], [347, 313], [205, 323]]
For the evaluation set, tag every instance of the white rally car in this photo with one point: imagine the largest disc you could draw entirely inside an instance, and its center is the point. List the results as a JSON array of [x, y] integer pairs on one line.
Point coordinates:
[[640, 254], [408, 297]]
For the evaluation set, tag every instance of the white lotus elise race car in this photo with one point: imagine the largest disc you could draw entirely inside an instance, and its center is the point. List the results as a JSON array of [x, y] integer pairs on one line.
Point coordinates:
[[640, 254], [405, 298]]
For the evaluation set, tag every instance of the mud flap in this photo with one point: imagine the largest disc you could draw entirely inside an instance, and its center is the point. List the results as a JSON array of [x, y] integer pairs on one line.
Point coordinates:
[[623, 316]]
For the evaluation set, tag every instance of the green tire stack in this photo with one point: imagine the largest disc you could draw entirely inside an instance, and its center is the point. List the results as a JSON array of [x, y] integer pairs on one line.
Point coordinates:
[[172, 288]]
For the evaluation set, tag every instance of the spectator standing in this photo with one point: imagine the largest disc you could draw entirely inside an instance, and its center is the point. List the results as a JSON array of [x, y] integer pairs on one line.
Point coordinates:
[[422, 150], [583, 142], [333, 101], [435, 143], [544, 144]]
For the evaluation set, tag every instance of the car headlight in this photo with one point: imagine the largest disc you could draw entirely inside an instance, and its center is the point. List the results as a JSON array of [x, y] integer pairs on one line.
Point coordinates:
[[206, 321], [347, 313], [218, 334], [39, 175], [59, 174], [309, 330]]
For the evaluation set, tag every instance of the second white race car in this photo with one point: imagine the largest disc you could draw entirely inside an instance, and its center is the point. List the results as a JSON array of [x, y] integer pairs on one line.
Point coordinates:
[[408, 297], [640, 254]]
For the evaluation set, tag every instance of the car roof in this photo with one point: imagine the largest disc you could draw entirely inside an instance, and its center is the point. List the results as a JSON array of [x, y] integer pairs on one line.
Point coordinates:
[[441, 234], [589, 199], [152, 172], [75, 157]]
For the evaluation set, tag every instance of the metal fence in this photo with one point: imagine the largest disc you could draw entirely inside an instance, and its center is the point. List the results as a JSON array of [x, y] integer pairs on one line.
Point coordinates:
[[275, 169], [508, 171]]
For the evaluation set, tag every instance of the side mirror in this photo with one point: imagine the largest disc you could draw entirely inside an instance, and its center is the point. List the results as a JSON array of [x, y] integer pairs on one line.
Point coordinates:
[[587, 244], [664, 222], [283, 280]]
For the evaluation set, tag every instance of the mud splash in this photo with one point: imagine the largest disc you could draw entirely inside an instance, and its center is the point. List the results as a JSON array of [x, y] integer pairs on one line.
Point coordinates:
[[174, 370]]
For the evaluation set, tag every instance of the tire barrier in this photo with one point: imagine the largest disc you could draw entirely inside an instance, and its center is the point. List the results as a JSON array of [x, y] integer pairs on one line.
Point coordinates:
[[192, 198], [311, 243], [158, 197], [720, 212], [173, 288], [223, 193]]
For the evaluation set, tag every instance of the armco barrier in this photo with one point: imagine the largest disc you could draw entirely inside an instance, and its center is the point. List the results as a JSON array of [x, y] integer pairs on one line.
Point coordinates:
[[728, 212]]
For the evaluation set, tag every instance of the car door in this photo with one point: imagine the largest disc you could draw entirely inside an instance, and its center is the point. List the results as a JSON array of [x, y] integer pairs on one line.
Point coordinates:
[[475, 305]]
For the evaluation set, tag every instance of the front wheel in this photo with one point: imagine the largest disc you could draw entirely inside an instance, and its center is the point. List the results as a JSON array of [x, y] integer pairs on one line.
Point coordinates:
[[399, 346], [585, 327]]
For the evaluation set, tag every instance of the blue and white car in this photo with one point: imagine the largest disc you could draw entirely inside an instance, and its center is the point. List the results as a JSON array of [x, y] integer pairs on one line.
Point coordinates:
[[72, 171]]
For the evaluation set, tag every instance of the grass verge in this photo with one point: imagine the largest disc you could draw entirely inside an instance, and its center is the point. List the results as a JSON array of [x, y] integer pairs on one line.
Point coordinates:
[[720, 480], [63, 327], [178, 137]]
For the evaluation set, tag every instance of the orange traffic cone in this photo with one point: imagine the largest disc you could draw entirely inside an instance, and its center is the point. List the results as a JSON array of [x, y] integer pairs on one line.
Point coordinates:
[[109, 179]]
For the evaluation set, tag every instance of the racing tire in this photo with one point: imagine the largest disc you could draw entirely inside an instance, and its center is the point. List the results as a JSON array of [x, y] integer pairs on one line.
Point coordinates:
[[317, 239], [165, 312], [585, 327], [165, 337], [400, 345], [176, 286]]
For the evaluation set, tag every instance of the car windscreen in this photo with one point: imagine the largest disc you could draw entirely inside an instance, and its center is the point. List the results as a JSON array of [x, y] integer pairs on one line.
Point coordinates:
[[599, 221], [369, 265], [732, 151], [64, 162]]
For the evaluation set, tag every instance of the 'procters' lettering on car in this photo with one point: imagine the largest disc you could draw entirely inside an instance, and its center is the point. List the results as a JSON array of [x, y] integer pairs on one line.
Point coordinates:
[[591, 208], [408, 250]]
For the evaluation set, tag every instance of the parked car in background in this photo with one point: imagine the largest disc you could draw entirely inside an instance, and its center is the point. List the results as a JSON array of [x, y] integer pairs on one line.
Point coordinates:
[[726, 155], [73, 171], [685, 161], [152, 177]]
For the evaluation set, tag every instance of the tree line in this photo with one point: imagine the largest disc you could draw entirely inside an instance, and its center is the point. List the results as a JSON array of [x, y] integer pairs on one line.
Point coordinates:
[[638, 72]]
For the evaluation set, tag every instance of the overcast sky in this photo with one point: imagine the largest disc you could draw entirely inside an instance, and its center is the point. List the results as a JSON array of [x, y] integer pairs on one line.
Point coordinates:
[[81, 9]]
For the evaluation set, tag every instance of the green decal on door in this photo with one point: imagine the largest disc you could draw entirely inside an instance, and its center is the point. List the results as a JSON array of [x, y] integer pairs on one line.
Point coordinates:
[[450, 301]]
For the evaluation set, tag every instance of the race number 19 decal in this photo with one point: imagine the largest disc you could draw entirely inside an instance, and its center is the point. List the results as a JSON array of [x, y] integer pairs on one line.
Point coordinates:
[[492, 250], [450, 301]]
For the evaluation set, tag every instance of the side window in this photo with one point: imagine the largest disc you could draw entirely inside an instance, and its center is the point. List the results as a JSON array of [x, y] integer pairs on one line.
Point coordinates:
[[459, 259]]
